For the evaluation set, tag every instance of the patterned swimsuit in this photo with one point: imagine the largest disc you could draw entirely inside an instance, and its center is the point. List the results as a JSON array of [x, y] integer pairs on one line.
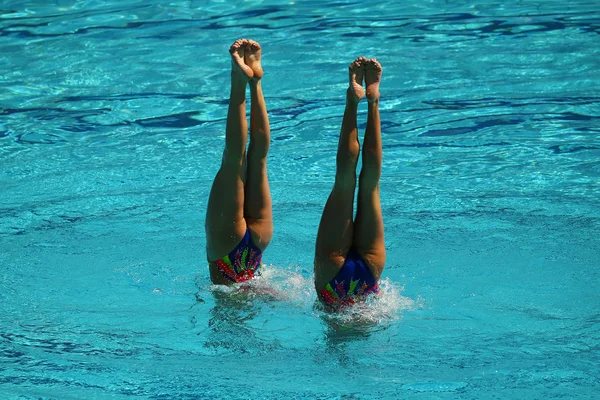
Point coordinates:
[[242, 263], [354, 281]]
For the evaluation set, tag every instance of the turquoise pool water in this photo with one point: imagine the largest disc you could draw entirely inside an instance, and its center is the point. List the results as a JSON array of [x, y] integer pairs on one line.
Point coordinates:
[[111, 129]]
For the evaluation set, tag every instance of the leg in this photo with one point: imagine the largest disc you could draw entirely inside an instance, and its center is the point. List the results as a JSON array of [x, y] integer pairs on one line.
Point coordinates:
[[334, 237], [368, 236], [225, 224], [257, 204]]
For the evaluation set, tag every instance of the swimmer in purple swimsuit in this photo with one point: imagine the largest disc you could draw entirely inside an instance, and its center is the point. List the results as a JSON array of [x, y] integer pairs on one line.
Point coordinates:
[[239, 222], [350, 252]]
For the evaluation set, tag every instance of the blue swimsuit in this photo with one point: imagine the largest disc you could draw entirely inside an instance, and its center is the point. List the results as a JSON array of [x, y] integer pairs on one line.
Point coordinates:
[[354, 281]]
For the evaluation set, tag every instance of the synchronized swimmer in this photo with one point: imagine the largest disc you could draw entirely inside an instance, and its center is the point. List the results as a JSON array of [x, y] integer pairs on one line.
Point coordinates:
[[239, 221], [350, 252]]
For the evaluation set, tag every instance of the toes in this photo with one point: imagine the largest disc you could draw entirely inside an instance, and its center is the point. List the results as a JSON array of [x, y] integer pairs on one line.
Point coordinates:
[[358, 64], [253, 45], [374, 64], [236, 46], [361, 63]]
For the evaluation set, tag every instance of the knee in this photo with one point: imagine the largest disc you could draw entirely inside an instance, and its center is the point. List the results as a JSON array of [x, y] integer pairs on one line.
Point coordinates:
[[348, 159], [353, 149], [258, 148], [345, 181], [233, 157], [369, 180], [371, 155]]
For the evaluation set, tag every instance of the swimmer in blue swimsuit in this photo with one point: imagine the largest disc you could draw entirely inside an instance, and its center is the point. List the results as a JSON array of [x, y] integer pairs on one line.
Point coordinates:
[[350, 252], [239, 222]]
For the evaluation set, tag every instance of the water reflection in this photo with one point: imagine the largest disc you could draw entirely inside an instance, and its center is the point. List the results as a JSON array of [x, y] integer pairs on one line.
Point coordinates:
[[230, 323], [348, 337], [348, 328], [361, 320]]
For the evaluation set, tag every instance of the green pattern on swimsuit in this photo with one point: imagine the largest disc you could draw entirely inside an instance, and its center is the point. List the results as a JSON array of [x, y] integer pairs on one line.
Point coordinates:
[[330, 290], [244, 256], [352, 287]]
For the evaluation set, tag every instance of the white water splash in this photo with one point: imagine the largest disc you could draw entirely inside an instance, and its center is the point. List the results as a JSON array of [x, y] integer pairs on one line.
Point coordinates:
[[386, 306], [295, 285]]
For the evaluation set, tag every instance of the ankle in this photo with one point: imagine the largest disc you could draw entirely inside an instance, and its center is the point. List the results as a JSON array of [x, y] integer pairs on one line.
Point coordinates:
[[255, 84], [351, 98]]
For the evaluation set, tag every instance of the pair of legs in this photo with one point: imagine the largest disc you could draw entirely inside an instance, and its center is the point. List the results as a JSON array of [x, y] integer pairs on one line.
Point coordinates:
[[338, 230], [240, 198]]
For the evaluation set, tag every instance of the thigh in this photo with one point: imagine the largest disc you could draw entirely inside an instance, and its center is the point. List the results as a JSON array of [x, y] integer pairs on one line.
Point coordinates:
[[368, 238], [225, 224], [334, 237], [257, 202]]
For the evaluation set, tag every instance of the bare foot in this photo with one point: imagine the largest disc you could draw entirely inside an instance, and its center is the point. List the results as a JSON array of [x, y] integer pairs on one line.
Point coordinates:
[[237, 59], [252, 58], [372, 78], [356, 73]]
